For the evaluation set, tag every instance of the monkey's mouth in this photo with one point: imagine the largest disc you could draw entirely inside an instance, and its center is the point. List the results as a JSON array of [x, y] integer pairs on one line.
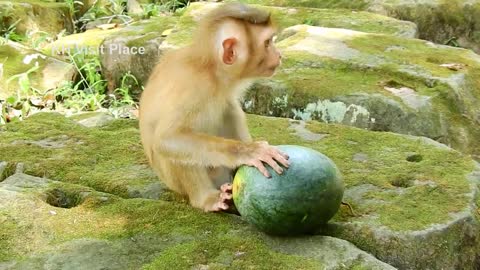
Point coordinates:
[[272, 68]]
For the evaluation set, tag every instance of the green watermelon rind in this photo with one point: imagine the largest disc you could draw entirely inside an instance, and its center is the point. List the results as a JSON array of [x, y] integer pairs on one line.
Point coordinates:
[[287, 205]]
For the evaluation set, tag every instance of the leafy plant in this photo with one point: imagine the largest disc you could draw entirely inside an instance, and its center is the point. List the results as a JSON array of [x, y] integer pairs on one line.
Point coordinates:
[[89, 69], [89, 92], [174, 5], [452, 42], [20, 101], [7, 28], [75, 98], [121, 96], [150, 10], [9, 32], [115, 11], [72, 5], [38, 38]]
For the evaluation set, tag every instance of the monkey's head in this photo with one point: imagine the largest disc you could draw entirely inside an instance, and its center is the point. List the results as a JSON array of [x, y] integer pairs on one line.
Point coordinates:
[[242, 41]]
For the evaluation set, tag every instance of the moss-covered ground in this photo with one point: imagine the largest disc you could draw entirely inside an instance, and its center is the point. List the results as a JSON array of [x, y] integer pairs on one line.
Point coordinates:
[[104, 158], [93, 160]]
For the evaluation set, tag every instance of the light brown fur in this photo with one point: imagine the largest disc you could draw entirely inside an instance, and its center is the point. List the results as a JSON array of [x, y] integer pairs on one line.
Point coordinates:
[[192, 126]]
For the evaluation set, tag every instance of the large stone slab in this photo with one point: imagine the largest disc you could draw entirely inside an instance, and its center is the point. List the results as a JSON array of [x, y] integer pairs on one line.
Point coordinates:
[[454, 22], [159, 34], [415, 201], [375, 81], [360, 78], [98, 232], [37, 18], [134, 49], [289, 16], [43, 72]]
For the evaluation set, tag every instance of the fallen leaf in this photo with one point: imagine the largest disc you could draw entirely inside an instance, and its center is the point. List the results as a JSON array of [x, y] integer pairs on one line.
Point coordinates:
[[107, 26], [453, 66], [167, 32]]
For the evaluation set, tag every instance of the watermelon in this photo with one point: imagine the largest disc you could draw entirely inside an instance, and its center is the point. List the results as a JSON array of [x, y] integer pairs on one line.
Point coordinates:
[[305, 196]]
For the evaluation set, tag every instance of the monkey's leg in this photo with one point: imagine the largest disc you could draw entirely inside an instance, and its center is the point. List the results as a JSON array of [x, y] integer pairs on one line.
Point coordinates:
[[203, 193], [220, 175]]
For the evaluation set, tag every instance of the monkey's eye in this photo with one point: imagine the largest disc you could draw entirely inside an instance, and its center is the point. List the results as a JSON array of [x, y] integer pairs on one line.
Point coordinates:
[[268, 43]]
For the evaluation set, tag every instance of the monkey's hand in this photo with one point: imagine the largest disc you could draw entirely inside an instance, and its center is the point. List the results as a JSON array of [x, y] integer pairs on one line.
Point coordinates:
[[270, 155]]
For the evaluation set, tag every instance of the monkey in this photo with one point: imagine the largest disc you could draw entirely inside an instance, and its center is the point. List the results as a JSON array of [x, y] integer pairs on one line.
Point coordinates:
[[192, 126]]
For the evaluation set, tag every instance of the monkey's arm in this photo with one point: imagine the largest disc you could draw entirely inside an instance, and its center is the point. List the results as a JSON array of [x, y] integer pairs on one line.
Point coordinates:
[[235, 126], [205, 150]]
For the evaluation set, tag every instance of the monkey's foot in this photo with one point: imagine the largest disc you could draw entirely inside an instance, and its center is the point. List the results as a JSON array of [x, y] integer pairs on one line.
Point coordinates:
[[222, 202], [226, 188]]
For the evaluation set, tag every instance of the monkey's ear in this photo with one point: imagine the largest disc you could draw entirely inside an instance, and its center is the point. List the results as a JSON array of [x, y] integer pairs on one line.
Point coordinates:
[[229, 52]]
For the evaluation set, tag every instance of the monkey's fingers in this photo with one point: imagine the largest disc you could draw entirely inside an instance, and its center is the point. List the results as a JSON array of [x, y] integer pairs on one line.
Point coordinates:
[[286, 156], [225, 196], [227, 187], [281, 158], [274, 165], [259, 165], [219, 206]]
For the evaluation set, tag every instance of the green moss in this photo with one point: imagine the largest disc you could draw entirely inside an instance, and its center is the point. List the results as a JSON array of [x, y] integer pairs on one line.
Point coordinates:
[[389, 61], [84, 149], [8, 230], [88, 41], [362, 21], [217, 239], [49, 17], [387, 154], [425, 58], [328, 80], [221, 252], [149, 30], [413, 51], [12, 59], [440, 21], [184, 29], [90, 159], [356, 4]]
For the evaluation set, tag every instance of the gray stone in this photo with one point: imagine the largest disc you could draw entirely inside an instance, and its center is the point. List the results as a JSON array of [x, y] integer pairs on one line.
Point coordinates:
[[16, 58], [95, 120], [412, 249], [334, 252], [305, 134], [360, 157], [97, 254]]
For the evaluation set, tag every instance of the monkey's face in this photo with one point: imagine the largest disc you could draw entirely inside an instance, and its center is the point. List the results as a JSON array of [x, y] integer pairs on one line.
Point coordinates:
[[265, 57], [272, 58], [247, 50]]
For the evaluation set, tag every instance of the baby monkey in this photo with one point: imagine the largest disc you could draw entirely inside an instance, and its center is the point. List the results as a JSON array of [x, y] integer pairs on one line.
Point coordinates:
[[193, 129]]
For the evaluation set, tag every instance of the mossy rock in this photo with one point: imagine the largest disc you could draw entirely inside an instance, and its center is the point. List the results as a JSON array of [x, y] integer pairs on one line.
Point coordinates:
[[16, 59], [38, 17], [286, 17], [134, 49], [163, 33], [412, 213], [453, 22], [374, 81], [102, 231], [343, 4], [87, 43], [438, 21]]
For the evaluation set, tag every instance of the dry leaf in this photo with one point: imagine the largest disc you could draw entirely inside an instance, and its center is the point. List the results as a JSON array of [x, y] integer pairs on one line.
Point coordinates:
[[107, 26], [453, 66], [167, 32]]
